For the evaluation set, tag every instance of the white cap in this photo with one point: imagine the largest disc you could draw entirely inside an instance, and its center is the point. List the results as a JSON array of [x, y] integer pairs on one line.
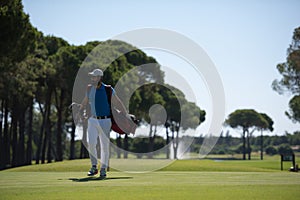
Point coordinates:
[[96, 72]]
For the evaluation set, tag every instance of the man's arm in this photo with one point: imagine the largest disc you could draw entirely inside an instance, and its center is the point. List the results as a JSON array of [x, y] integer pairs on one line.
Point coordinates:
[[84, 103]]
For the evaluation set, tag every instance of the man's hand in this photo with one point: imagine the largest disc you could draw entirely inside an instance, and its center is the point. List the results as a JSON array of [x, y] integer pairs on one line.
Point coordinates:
[[83, 103], [81, 107]]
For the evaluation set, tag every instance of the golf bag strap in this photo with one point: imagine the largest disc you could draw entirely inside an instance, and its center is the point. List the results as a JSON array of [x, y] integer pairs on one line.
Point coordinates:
[[108, 90]]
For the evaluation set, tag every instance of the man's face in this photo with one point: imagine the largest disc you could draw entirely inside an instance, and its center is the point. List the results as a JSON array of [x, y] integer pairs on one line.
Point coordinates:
[[95, 80]]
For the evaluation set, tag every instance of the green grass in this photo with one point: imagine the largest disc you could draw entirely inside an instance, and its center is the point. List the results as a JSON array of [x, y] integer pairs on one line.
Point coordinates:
[[183, 179], [268, 165]]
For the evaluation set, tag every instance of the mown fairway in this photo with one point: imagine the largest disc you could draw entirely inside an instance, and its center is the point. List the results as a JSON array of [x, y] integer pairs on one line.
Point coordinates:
[[181, 180]]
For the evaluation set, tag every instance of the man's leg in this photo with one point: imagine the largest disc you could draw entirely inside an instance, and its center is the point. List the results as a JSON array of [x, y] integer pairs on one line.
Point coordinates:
[[105, 126], [92, 142]]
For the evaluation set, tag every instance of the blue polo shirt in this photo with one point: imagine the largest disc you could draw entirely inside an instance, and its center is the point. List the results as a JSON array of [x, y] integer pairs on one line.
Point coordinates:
[[98, 101]]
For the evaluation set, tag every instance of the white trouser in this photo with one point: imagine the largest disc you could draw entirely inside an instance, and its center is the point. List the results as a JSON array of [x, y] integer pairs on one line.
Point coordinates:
[[99, 128]]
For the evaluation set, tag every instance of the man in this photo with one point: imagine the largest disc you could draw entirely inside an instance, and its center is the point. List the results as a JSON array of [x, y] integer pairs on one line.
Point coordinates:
[[99, 124]]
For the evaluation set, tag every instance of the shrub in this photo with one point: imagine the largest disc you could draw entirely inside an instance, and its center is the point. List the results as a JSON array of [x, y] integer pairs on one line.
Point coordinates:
[[221, 152], [239, 149], [285, 149], [270, 150]]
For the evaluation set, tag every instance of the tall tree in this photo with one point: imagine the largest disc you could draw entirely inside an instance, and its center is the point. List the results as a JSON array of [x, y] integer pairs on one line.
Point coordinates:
[[17, 41], [263, 126], [17, 37], [290, 81], [248, 120], [30, 135], [43, 96], [150, 111], [181, 114], [56, 84], [66, 64], [294, 111]]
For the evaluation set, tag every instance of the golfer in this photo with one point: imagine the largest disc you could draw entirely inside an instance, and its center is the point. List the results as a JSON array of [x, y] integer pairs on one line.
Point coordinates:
[[99, 124]]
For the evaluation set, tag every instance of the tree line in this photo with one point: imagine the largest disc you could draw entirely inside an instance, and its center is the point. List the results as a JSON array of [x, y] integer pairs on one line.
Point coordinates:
[[36, 84], [226, 145], [272, 144], [248, 120]]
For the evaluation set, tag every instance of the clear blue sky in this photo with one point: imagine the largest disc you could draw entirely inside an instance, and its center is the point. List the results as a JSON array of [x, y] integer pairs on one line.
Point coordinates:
[[245, 39]]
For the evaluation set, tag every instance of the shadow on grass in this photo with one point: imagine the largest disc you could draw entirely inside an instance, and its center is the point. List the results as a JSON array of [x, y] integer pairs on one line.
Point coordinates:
[[96, 179]]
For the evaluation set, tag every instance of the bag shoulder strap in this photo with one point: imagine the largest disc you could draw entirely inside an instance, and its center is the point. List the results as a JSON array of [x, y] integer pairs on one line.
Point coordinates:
[[108, 90], [88, 89]]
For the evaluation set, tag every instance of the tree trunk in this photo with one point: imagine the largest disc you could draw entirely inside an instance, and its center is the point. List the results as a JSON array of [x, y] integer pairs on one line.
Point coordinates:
[[167, 143], [177, 144], [72, 143], [6, 137], [1, 137], [59, 152], [248, 145], [126, 146], [21, 143], [39, 146], [49, 140], [261, 146], [119, 145], [44, 144], [244, 144], [29, 133], [14, 130], [83, 151], [47, 125], [151, 141], [174, 144]]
